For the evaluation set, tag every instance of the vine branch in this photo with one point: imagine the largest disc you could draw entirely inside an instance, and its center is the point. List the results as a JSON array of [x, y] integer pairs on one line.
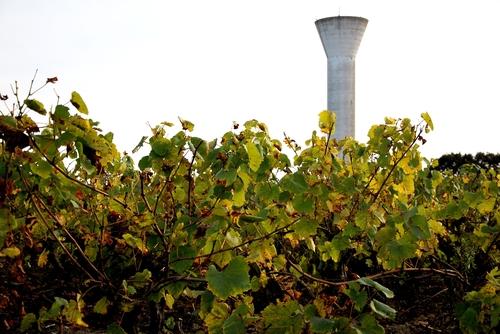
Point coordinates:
[[71, 178], [190, 172], [444, 272], [375, 197], [265, 236], [73, 240]]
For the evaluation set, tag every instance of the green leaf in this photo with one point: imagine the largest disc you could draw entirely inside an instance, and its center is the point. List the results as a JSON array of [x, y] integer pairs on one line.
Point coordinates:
[[109, 138], [145, 162], [61, 112], [234, 324], [135, 242], [141, 279], [201, 145], [251, 219], [55, 308], [335, 325], [215, 319], [295, 183], [303, 203], [334, 248], [206, 301], [347, 185], [322, 325], [419, 227], [306, 227], [231, 281], [382, 309], [115, 329], [28, 320], [140, 144], [7, 222], [469, 320], [181, 252], [309, 312], [41, 168], [91, 250], [176, 288], [101, 306], [369, 282], [161, 146], [473, 199], [254, 156], [454, 210], [267, 192], [283, 318], [78, 103], [369, 325], [8, 122], [359, 297], [36, 106], [327, 121], [396, 251], [227, 175]]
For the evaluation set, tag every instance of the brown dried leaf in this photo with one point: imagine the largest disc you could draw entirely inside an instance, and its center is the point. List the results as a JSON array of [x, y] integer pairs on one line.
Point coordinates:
[[52, 80]]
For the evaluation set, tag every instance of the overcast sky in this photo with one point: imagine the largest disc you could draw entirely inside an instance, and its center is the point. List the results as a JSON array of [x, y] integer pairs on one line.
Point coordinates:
[[214, 62]]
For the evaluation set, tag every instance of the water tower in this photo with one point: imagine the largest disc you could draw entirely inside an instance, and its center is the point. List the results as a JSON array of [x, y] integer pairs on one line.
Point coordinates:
[[341, 36]]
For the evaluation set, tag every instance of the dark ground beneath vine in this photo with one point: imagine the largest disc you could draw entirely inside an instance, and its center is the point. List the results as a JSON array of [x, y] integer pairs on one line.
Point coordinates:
[[424, 302]]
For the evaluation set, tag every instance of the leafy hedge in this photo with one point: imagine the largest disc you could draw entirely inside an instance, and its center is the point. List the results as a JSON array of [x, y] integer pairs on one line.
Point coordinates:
[[229, 235]]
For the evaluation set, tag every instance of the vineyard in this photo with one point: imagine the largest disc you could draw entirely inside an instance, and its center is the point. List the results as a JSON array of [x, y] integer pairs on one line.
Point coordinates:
[[236, 236]]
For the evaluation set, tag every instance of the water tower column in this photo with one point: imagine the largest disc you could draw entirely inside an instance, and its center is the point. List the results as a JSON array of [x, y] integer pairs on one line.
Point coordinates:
[[341, 36]]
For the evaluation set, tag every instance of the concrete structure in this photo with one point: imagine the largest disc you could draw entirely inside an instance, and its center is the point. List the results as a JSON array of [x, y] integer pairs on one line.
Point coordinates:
[[341, 36]]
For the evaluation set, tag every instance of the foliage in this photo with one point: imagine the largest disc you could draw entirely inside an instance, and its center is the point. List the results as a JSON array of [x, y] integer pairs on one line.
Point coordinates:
[[454, 161], [481, 310], [230, 236]]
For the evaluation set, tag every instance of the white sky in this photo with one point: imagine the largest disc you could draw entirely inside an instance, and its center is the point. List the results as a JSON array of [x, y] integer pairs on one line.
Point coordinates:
[[213, 62]]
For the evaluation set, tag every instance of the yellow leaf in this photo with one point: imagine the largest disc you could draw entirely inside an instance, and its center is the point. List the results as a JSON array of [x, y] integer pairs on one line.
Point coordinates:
[[405, 165], [254, 156], [389, 120], [135, 242], [245, 178], [78, 103], [310, 244], [320, 307], [43, 258], [101, 306], [263, 279], [233, 238], [80, 322], [239, 197], [10, 252], [486, 206], [73, 312], [327, 121], [437, 227], [169, 300], [186, 125], [427, 120], [407, 186]]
